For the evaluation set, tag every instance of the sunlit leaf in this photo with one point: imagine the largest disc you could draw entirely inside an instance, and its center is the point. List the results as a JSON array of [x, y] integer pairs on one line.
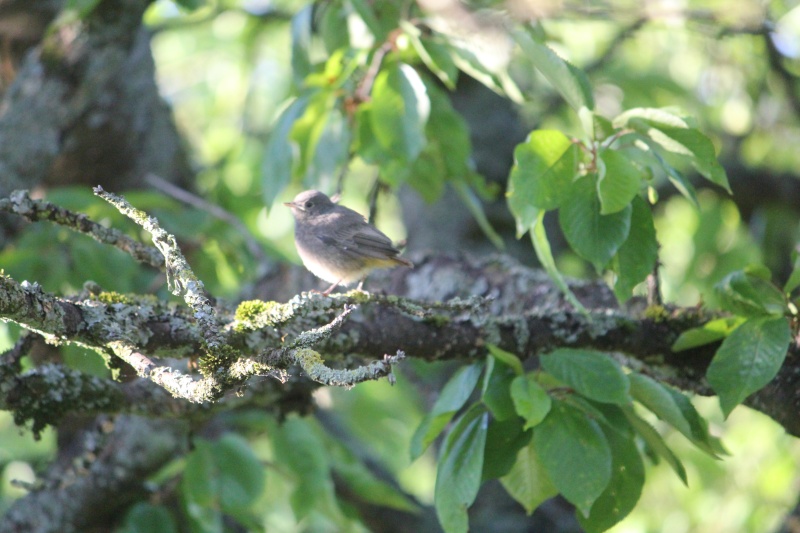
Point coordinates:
[[618, 183], [544, 167], [711, 331], [506, 357], [675, 134], [399, 111]]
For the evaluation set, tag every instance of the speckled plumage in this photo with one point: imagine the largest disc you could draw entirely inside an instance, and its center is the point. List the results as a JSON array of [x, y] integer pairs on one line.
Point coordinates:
[[337, 244]]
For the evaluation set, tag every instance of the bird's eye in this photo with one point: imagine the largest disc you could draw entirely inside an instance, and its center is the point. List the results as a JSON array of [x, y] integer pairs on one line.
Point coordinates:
[[309, 205]]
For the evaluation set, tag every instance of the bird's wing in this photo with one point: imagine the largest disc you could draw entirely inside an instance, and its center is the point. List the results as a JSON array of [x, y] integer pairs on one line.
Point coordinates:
[[359, 239]]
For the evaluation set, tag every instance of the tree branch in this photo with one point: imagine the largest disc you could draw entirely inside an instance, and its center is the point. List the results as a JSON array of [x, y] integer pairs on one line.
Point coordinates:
[[20, 203], [72, 501], [485, 301]]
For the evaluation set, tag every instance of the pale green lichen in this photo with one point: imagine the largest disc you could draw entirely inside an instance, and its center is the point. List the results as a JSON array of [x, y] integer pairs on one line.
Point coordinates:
[[138, 300], [312, 364], [257, 314]]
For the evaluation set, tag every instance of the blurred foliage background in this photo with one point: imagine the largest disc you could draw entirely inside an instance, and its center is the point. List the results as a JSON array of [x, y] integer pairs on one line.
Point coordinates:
[[225, 67]]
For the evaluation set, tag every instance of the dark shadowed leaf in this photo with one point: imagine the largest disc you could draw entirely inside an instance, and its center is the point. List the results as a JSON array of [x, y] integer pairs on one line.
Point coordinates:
[[748, 359], [458, 476], [575, 453]]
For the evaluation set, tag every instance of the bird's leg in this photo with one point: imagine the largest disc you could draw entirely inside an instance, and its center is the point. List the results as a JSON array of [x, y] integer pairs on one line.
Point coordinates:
[[329, 289], [361, 285]]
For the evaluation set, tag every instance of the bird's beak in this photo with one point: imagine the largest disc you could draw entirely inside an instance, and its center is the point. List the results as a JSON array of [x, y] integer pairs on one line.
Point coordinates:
[[289, 204]]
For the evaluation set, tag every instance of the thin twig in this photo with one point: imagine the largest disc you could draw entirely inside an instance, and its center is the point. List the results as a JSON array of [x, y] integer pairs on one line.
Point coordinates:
[[182, 195], [20, 203], [373, 200], [180, 277]]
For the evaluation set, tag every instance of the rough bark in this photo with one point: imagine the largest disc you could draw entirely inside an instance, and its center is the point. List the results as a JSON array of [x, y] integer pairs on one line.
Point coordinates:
[[83, 106]]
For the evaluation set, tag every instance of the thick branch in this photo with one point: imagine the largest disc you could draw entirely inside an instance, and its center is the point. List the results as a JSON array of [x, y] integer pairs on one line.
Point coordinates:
[[74, 501], [519, 311]]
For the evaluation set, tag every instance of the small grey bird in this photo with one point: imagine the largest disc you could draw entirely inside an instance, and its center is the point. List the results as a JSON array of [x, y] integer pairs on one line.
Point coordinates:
[[337, 244]]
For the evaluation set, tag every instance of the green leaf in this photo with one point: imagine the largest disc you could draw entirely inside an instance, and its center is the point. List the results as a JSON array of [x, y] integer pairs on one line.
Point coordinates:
[[496, 384], [698, 426], [83, 8], [469, 63], [748, 359], [530, 400], [301, 44], [200, 482], [655, 397], [474, 206], [678, 180], [433, 53], [458, 476], [542, 247], [603, 129], [594, 236], [323, 138], [794, 278], [333, 26], [592, 374], [527, 481], [624, 489], [675, 409], [364, 483], [240, 471], [148, 518], [503, 441], [749, 295], [506, 357], [399, 111], [655, 442], [447, 154], [223, 475], [365, 11], [636, 258], [575, 454], [452, 398], [709, 332], [330, 148], [618, 182], [299, 449], [186, 4], [427, 176], [448, 132], [544, 167], [276, 169], [674, 134], [569, 81]]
